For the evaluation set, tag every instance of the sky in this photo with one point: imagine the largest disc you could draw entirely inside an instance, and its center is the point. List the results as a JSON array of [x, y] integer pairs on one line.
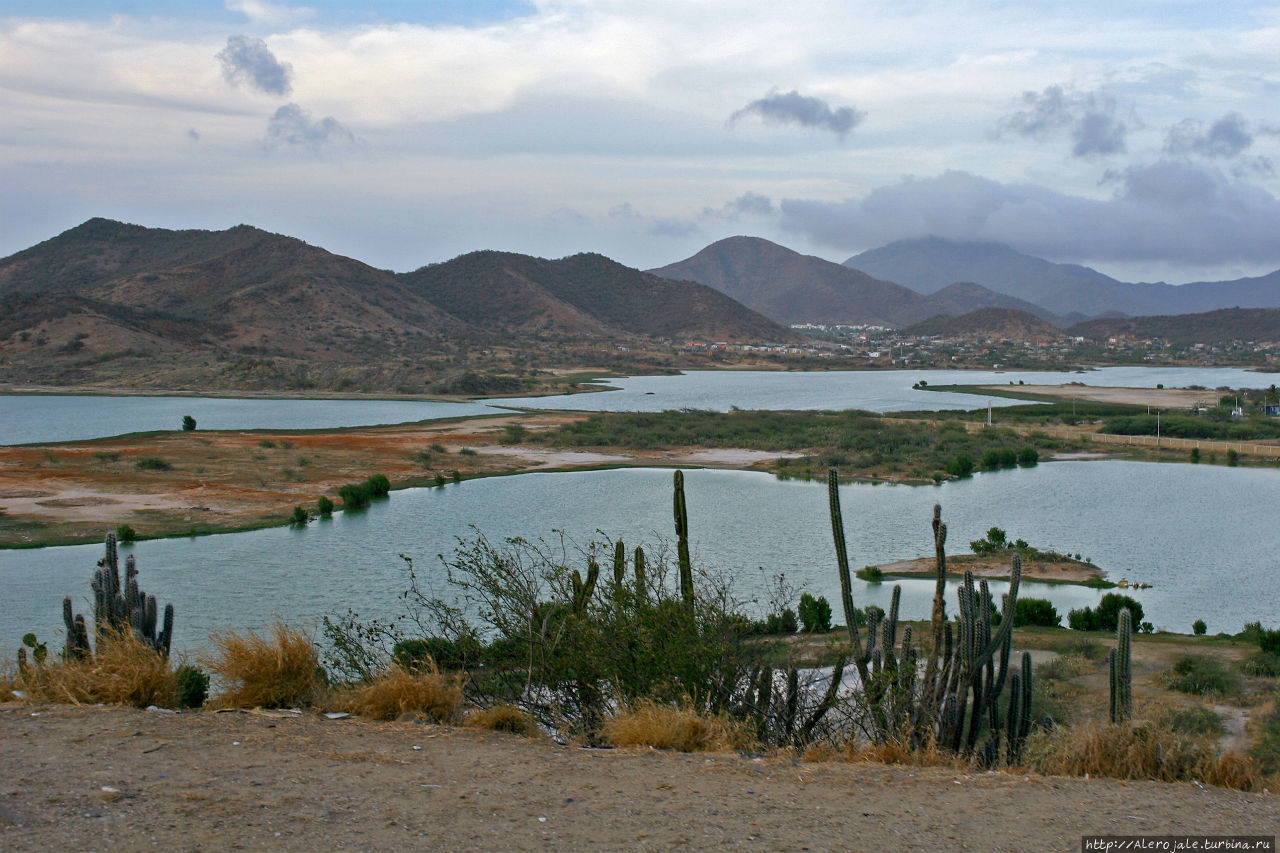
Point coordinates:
[[1138, 137]]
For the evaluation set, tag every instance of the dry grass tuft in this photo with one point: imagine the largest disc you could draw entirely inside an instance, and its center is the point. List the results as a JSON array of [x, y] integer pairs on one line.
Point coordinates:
[[8, 681], [398, 691], [280, 671], [125, 671], [1139, 751], [503, 718], [895, 752], [682, 729]]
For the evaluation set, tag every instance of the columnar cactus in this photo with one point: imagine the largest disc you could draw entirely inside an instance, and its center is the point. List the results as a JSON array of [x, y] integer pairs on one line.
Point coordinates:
[[1121, 670], [117, 608], [682, 541], [638, 565]]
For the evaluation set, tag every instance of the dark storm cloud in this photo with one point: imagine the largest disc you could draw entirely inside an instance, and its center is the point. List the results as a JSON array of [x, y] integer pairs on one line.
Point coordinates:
[[1169, 210], [803, 110], [249, 61], [292, 127], [1229, 136], [1091, 119]]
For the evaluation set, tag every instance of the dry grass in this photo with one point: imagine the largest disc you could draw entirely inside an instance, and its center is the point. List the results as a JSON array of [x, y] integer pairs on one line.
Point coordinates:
[[282, 670], [503, 718], [1139, 751], [398, 691], [125, 671], [668, 727], [8, 681], [894, 752]]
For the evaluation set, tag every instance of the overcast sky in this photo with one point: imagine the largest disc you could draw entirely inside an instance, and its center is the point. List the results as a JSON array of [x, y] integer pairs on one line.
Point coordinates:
[[1139, 137]]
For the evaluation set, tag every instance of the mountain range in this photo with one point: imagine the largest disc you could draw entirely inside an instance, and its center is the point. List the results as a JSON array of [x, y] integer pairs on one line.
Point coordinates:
[[105, 287]]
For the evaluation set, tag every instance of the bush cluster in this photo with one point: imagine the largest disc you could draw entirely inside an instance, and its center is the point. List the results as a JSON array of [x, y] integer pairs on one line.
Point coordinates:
[[1106, 616], [358, 495]]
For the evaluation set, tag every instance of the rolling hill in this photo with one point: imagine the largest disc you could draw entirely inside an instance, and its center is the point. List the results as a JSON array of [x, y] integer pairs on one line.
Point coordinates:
[[989, 323]]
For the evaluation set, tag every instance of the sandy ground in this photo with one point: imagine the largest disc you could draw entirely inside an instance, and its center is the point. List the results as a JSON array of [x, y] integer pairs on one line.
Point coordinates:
[[996, 567], [1162, 398], [120, 779]]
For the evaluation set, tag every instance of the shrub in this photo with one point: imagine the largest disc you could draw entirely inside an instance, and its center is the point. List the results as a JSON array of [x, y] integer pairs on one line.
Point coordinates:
[[436, 652], [124, 671], [1035, 611], [467, 451], [1266, 740], [1138, 751], [379, 486], [1195, 454], [1192, 720], [815, 614], [1199, 628], [300, 516], [439, 480], [282, 670], [400, 691], [503, 718], [1201, 676], [188, 423], [1106, 616], [996, 540], [125, 533], [1233, 458], [1260, 664], [960, 465], [152, 463], [667, 727], [456, 476], [1269, 640], [1028, 456], [192, 686], [873, 574], [514, 433], [324, 505]]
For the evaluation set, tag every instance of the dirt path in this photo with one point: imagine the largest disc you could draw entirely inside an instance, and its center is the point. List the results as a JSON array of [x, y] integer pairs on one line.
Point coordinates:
[[103, 779]]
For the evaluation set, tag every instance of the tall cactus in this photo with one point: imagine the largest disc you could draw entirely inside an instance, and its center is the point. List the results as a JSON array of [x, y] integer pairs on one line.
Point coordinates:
[[638, 567], [1121, 671], [957, 697], [682, 541], [117, 607]]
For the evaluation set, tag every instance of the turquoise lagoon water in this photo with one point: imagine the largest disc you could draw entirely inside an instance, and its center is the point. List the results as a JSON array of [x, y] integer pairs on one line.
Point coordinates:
[[1204, 536]]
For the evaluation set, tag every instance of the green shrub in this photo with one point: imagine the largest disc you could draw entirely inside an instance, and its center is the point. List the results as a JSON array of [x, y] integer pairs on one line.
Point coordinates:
[[300, 516], [1260, 664], [467, 451], [354, 495], [815, 614], [152, 463], [439, 480], [1201, 676], [1269, 640], [873, 574], [1028, 456], [188, 423], [960, 465], [1106, 616], [1195, 455], [125, 533], [379, 486], [514, 433], [324, 505], [456, 476], [1198, 627], [448, 655], [193, 686], [1035, 611], [1192, 720]]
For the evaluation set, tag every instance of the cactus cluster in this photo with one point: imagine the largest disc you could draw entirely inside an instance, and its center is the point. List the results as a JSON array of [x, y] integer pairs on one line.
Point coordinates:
[[1121, 670], [956, 701], [118, 607]]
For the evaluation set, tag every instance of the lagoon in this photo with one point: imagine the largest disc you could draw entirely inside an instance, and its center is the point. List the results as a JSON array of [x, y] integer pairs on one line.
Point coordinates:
[[1204, 536], [31, 418]]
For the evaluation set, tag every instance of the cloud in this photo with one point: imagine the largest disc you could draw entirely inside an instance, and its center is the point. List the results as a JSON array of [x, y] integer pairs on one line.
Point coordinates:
[[795, 108], [1227, 137], [292, 127], [269, 14], [249, 61], [656, 226], [1090, 118], [1165, 211], [193, 134], [748, 205]]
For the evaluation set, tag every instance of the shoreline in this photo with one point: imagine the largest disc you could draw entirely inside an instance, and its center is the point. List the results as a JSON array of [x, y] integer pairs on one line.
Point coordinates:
[[996, 567]]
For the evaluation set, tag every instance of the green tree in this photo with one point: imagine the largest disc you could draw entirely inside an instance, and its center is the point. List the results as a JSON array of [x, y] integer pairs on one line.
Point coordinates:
[[188, 423]]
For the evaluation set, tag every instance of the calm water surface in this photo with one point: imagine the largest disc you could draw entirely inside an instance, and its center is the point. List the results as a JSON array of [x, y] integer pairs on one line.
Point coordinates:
[[29, 418], [872, 390], [1204, 536]]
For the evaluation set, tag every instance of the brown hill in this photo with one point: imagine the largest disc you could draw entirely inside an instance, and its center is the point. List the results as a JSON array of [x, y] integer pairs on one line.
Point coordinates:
[[1004, 324], [586, 294], [1223, 326], [238, 290], [793, 288], [962, 297]]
